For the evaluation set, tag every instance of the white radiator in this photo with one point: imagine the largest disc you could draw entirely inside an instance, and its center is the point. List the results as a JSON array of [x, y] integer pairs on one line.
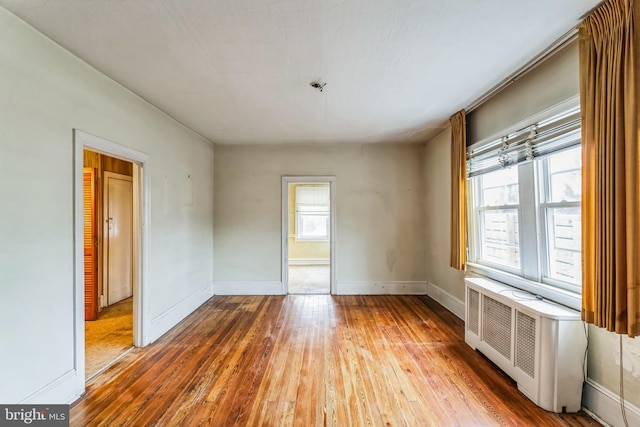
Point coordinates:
[[540, 344]]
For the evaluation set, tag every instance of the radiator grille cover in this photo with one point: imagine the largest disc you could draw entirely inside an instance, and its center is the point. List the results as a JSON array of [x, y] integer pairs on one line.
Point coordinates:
[[539, 344], [473, 313], [496, 325], [526, 344]]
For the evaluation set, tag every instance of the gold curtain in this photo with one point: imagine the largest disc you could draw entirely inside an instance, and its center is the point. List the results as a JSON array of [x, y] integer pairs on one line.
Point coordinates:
[[609, 96], [458, 190]]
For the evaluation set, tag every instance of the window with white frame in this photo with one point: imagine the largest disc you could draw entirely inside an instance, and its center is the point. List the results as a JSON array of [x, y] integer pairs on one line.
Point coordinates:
[[497, 211], [524, 206], [312, 212]]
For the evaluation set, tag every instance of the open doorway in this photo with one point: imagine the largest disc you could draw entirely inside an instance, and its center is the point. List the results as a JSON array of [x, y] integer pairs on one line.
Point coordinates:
[[308, 234], [108, 259], [110, 208]]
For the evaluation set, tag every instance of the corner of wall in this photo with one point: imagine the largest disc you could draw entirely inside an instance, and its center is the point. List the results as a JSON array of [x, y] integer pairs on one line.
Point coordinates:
[[446, 300], [161, 324]]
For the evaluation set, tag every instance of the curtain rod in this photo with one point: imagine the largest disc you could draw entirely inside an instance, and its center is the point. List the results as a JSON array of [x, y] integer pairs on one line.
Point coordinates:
[[564, 40]]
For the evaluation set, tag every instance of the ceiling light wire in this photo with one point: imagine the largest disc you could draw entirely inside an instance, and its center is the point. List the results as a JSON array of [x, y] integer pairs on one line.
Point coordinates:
[[318, 85]]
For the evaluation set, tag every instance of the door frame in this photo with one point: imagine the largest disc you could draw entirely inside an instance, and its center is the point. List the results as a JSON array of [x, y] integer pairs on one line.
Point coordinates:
[[305, 179], [105, 230], [141, 203]]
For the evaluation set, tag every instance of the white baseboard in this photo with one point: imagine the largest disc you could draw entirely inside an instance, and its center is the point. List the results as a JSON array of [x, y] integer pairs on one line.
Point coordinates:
[[446, 300], [381, 288], [309, 261], [247, 288], [63, 390], [606, 405], [167, 320]]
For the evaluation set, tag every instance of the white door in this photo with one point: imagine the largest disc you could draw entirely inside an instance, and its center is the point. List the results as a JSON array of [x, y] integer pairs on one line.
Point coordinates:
[[118, 241]]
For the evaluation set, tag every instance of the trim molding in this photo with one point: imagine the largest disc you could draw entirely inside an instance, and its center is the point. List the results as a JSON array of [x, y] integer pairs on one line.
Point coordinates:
[[606, 405], [446, 300], [309, 261], [141, 211], [547, 53], [170, 318], [284, 256], [381, 288], [247, 288], [62, 390]]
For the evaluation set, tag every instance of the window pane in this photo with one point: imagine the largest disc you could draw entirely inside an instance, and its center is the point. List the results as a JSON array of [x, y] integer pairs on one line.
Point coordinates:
[[499, 237], [500, 188], [564, 226], [314, 226], [566, 176]]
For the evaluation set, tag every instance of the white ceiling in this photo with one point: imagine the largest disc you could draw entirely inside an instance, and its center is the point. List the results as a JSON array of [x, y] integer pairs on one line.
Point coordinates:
[[238, 71]]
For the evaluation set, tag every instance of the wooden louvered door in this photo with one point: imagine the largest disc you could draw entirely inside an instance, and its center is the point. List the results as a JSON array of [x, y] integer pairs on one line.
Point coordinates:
[[90, 245]]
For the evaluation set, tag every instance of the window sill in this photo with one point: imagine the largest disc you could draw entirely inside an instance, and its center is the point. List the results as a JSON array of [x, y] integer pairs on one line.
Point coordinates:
[[557, 295], [309, 240]]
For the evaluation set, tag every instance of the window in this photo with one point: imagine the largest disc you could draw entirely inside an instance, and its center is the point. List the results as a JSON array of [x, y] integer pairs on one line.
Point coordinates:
[[497, 214], [312, 212], [561, 220], [524, 208]]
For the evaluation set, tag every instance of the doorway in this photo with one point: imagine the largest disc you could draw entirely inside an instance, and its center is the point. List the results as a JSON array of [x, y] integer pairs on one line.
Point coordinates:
[[308, 238], [108, 259], [110, 233]]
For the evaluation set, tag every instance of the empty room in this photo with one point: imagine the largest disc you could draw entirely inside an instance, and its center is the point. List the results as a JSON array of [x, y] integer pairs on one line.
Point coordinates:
[[409, 212]]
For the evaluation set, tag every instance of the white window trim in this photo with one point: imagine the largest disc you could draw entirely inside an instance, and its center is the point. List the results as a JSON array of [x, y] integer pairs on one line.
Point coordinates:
[[544, 244], [545, 290], [312, 210], [300, 238], [475, 225], [544, 287], [542, 219]]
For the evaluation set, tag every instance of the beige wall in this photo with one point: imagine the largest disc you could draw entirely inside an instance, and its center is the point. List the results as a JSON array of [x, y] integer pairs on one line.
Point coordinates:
[[45, 93], [437, 178], [301, 249], [552, 82], [603, 363], [379, 201]]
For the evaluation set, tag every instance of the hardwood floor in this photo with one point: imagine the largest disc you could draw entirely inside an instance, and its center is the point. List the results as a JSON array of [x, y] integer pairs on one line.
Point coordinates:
[[311, 360]]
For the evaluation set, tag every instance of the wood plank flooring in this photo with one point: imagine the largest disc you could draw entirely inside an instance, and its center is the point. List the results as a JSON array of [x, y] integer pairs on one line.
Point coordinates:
[[311, 360]]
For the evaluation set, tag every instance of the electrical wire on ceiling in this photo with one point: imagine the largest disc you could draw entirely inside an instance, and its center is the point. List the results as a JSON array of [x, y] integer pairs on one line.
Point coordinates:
[[318, 85]]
